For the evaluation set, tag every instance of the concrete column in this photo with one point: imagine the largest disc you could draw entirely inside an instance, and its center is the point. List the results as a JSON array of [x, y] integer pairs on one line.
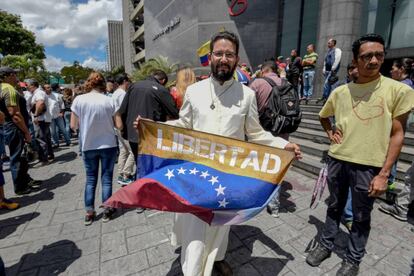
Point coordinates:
[[341, 20]]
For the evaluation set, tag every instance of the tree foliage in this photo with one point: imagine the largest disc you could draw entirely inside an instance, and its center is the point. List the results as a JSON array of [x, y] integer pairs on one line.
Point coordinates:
[[29, 65], [75, 72], [157, 63], [15, 39]]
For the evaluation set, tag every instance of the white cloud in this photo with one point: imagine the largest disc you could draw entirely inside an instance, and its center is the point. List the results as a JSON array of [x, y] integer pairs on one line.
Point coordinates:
[[63, 22], [54, 64], [93, 63]]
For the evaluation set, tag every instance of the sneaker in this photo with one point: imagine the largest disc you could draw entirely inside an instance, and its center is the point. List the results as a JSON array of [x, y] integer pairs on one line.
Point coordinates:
[[318, 255], [34, 184], [348, 269], [394, 210], [89, 218], [51, 158], [24, 192], [223, 268], [128, 180], [122, 180], [107, 214], [8, 204], [274, 212]]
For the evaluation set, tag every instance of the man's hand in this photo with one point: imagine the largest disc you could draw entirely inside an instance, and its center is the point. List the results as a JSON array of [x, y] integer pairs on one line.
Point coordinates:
[[294, 148], [35, 121], [378, 185], [335, 137], [27, 137], [136, 122]]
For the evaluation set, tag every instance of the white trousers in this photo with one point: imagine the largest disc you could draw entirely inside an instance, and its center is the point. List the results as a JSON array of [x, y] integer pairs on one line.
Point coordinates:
[[201, 244]]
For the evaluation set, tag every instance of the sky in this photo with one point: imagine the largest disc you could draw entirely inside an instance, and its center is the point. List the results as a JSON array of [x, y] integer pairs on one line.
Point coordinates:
[[69, 29]]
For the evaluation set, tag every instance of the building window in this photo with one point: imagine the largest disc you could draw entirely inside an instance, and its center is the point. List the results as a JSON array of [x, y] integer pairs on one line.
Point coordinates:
[[299, 27], [392, 19]]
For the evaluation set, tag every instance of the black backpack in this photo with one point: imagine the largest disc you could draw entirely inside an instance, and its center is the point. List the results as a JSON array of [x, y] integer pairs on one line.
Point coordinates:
[[282, 112]]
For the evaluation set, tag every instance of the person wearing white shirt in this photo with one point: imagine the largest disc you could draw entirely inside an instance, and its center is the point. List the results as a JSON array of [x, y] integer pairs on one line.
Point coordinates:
[[218, 105], [41, 119], [58, 122], [330, 68], [126, 160]]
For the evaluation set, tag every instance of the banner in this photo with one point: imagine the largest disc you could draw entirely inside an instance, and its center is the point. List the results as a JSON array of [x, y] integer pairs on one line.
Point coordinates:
[[220, 180]]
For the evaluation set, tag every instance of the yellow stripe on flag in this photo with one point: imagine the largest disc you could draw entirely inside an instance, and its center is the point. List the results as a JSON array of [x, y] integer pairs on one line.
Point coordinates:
[[204, 49]]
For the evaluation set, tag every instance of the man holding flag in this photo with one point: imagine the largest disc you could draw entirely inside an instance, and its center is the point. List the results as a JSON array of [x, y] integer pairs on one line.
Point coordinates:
[[222, 106]]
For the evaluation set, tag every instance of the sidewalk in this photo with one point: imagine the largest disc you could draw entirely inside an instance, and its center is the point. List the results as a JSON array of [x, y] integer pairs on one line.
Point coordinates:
[[46, 236]]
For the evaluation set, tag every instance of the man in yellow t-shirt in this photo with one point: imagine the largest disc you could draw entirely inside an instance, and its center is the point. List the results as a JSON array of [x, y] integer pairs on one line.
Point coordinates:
[[370, 115]]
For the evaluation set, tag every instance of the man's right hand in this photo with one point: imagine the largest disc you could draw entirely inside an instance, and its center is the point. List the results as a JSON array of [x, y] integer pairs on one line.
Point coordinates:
[[335, 137]]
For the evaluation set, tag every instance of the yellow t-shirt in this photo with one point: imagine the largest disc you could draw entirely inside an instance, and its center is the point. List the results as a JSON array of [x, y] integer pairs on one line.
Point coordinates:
[[364, 113]]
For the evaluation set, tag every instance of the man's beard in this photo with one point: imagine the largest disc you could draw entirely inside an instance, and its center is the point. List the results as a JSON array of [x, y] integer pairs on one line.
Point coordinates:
[[221, 75]]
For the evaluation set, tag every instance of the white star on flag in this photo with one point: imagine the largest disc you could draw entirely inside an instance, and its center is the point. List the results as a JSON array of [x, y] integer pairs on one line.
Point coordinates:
[[220, 190], [223, 203], [181, 171], [204, 174], [169, 174], [213, 180], [194, 171]]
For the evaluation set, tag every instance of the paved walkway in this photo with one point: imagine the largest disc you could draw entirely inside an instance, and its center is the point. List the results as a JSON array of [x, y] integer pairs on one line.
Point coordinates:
[[47, 236]]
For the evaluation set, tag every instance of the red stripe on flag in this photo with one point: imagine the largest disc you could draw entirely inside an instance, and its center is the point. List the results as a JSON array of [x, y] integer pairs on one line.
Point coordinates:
[[151, 194]]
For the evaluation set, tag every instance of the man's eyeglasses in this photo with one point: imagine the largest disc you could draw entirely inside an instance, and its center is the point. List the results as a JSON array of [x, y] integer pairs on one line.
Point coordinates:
[[378, 55], [228, 55]]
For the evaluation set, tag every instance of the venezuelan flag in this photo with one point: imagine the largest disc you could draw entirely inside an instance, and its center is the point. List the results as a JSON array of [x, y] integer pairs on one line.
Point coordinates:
[[203, 52], [222, 181]]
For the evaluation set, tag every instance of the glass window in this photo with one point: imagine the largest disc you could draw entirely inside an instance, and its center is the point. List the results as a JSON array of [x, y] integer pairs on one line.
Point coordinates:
[[290, 32], [403, 31], [310, 24]]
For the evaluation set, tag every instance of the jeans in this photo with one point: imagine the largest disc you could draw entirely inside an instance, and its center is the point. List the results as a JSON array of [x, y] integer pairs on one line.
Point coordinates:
[[343, 175], [327, 87], [67, 121], [347, 215], [18, 165], [308, 76], [91, 159], [58, 125], [32, 131], [45, 141], [393, 173]]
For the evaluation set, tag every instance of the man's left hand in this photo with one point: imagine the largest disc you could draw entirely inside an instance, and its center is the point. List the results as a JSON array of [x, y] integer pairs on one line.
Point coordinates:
[[296, 149], [378, 186]]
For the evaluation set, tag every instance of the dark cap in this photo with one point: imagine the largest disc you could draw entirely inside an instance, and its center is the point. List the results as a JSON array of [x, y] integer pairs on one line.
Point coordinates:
[[4, 70]]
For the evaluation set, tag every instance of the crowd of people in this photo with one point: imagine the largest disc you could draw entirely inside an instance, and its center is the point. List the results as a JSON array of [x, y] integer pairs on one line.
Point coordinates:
[[103, 114]]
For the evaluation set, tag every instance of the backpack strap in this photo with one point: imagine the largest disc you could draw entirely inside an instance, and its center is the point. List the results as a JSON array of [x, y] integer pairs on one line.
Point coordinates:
[[270, 82]]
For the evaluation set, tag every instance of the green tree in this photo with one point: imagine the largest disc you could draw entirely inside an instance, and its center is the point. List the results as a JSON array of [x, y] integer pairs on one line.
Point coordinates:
[[157, 63], [75, 72], [28, 64], [15, 39]]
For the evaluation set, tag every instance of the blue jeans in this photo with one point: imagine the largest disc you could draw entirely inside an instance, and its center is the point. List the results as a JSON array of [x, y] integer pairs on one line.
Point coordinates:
[[308, 76], [347, 215], [18, 165], [393, 173], [91, 159], [67, 121], [327, 87], [58, 125]]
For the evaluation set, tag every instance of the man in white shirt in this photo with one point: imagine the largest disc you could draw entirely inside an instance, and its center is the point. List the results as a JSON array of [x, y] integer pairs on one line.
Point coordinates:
[[41, 119], [330, 68], [218, 105], [58, 123], [126, 161]]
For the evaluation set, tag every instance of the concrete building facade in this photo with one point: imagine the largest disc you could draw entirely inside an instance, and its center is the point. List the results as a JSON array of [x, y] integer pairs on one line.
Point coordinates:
[[115, 49], [133, 28], [269, 28]]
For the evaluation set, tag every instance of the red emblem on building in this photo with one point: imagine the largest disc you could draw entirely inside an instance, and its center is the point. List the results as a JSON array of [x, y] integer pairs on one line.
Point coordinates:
[[237, 7]]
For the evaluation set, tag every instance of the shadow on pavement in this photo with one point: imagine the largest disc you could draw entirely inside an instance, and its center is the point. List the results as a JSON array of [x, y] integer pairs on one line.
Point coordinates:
[[66, 157], [52, 259], [286, 206], [264, 265], [44, 192], [9, 225], [341, 241]]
